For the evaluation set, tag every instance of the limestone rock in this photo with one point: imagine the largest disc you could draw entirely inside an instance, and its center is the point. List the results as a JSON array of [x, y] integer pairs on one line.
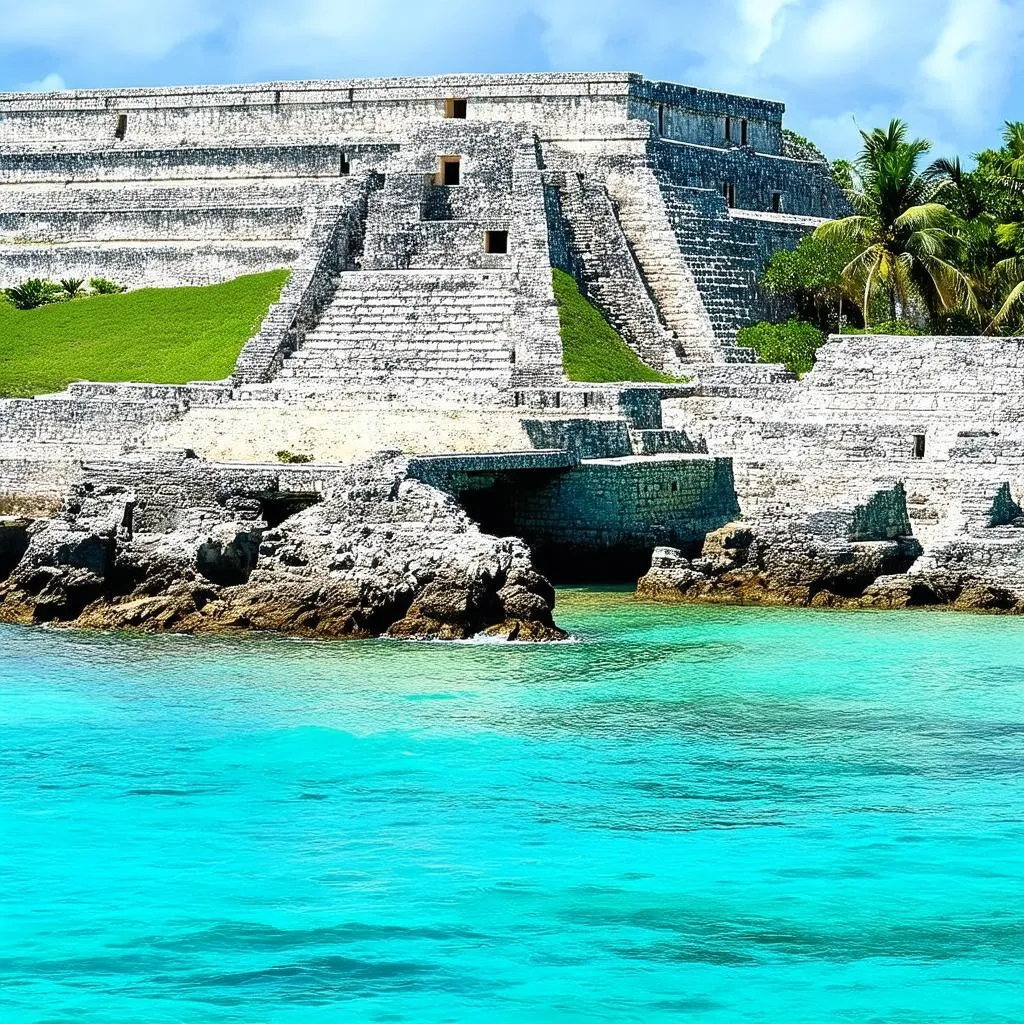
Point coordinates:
[[383, 554]]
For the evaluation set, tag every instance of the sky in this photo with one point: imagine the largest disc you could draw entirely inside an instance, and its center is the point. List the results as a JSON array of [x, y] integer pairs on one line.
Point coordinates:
[[948, 67]]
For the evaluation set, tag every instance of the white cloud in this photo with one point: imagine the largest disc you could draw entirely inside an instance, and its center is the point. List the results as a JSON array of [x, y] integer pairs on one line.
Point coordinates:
[[968, 67], [101, 29], [764, 25], [48, 83]]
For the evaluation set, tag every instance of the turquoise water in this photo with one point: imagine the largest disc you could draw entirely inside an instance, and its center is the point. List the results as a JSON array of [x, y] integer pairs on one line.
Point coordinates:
[[691, 814]]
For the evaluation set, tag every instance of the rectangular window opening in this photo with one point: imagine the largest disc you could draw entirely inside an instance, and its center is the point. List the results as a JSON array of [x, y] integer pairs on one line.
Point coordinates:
[[661, 118], [496, 242], [744, 132], [344, 167], [728, 129], [451, 171], [919, 446], [729, 193], [122, 126], [776, 202], [455, 108]]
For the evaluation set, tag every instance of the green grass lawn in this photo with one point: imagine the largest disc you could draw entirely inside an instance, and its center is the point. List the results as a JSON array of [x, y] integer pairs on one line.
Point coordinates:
[[156, 335], [591, 348]]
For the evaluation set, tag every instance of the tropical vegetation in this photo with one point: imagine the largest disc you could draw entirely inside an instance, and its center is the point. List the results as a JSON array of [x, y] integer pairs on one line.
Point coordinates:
[[926, 247]]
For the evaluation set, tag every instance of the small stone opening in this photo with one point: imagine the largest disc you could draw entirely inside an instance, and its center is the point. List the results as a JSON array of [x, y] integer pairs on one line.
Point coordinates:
[[744, 132], [728, 129], [282, 505], [344, 166], [729, 193], [122, 126], [496, 242], [776, 202], [13, 545], [919, 446], [661, 118], [455, 108], [451, 171]]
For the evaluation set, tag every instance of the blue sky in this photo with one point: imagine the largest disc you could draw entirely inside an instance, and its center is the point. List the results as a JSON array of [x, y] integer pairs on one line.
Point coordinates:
[[950, 67]]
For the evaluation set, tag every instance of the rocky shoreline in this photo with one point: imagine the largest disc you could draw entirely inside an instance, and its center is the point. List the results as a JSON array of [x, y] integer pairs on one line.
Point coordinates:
[[176, 544], [775, 565], [382, 555]]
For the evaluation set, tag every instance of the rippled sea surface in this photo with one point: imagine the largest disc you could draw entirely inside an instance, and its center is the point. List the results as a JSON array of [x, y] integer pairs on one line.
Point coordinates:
[[691, 814]]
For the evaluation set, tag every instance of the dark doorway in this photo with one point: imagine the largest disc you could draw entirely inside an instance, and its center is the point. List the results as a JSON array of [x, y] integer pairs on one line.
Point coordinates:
[[451, 171], [496, 242], [122, 126], [455, 108]]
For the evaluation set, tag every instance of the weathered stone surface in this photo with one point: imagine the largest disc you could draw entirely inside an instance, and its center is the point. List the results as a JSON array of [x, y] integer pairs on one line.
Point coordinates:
[[382, 554], [783, 564]]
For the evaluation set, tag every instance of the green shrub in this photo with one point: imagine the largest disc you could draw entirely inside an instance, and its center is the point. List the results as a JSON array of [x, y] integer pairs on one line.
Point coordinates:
[[592, 350], [291, 457], [104, 286], [33, 293], [793, 344], [898, 328], [71, 287]]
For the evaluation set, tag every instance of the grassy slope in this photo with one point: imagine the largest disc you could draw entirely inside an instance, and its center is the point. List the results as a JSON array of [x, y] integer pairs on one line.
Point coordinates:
[[591, 348], [156, 335]]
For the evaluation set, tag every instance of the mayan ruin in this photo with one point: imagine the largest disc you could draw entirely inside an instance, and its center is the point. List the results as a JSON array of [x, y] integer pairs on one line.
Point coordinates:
[[418, 334]]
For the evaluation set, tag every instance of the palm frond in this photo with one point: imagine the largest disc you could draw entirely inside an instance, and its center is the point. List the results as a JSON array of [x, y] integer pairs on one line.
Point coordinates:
[[1014, 303]]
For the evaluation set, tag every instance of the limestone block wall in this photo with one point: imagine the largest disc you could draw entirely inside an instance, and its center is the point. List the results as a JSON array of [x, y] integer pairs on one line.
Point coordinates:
[[697, 116], [631, 503], [805, 188], [962, 382], [284, 223], [556, 103], [246, 160], [145, 265]]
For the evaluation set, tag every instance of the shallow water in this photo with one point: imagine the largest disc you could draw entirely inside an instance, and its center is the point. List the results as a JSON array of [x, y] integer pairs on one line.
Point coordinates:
[[698, 814]]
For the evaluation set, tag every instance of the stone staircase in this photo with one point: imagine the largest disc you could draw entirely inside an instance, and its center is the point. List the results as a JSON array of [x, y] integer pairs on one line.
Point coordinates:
[[444, 329], [610, 273], [722, 255]]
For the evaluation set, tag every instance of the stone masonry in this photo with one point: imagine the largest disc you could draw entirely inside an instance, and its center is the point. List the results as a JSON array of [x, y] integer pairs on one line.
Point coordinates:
[[421, 220]]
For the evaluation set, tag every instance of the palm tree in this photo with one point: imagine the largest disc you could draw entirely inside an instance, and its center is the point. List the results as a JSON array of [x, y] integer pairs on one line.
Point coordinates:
[[1009, 273], [907, 241]]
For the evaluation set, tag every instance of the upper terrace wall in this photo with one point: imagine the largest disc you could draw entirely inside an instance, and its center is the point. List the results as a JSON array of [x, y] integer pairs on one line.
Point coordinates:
[[697, 116], [552, 103], [219, 162], [806, 189]]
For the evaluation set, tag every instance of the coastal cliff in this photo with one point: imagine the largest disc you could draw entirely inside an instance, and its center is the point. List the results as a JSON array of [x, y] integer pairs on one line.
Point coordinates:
[[380, 555]]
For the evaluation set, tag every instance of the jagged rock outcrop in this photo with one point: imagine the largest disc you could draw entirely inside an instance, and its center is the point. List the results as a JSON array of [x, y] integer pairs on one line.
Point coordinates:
[[747, 564], [383, 554], [862, 557]]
